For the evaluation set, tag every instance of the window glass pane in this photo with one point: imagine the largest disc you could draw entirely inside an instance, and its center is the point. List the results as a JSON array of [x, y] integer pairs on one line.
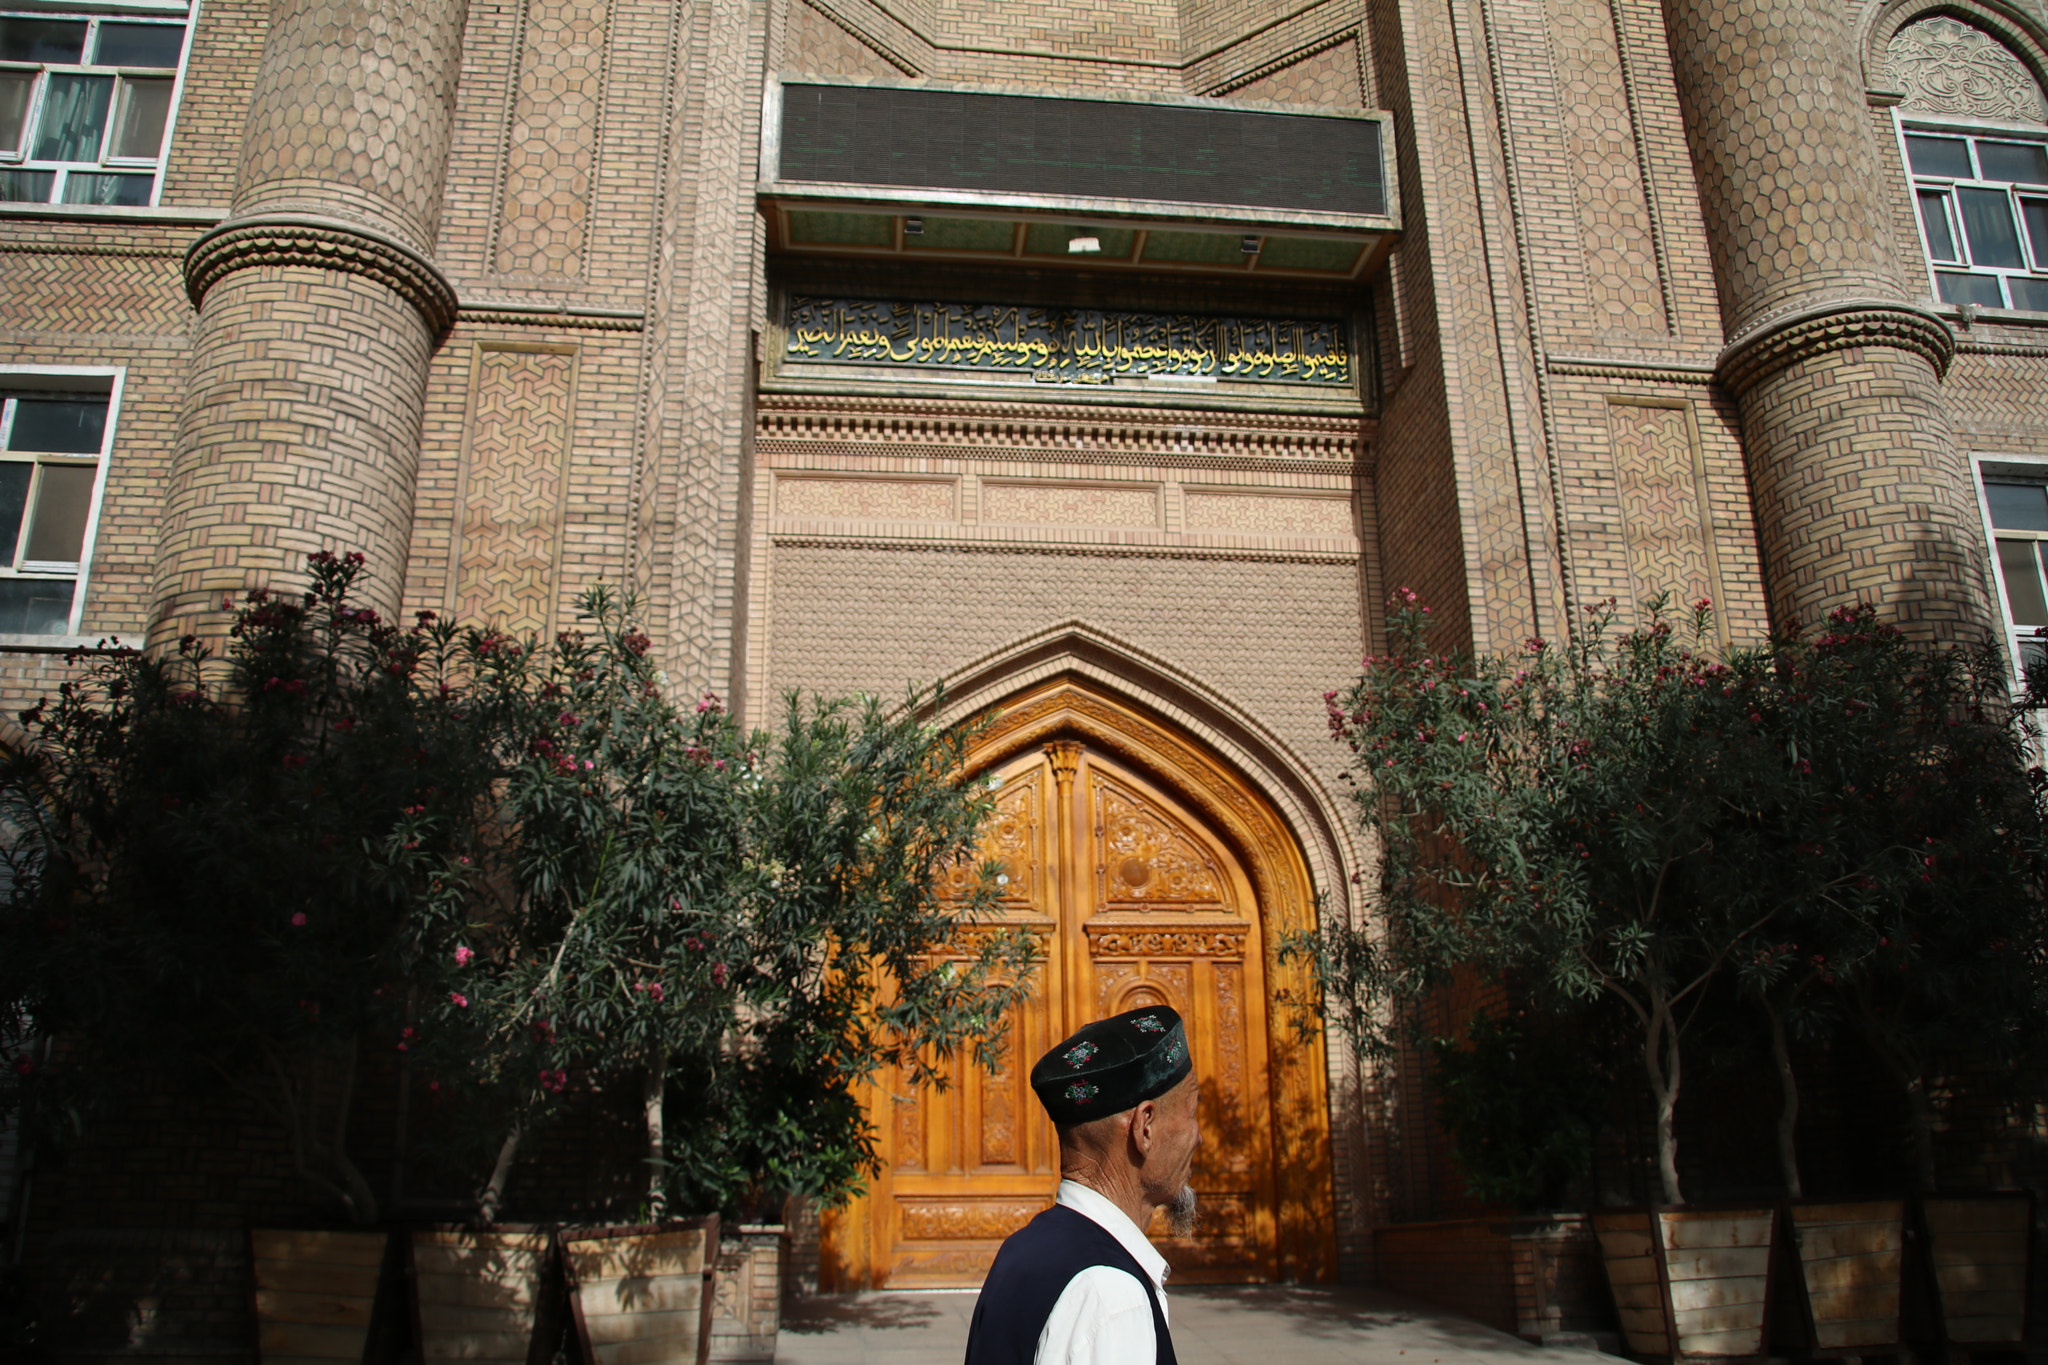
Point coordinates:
[[26, 187], [139, 126], [1949, 156], [1941, 243], [82, 187], [61, 41], [74, 115], [1981, 290], [2019, 566], [2026, 162], [139, 44], [2035, 211], [1987, 223], [59, 426], [2017, 506], [56, 530], [15, 88], [14, 476], [2028, 293], [35, 606]]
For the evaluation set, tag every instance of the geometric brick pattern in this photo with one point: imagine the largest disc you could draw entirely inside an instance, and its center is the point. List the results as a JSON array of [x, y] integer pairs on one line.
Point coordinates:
[[1654, 470], [556, 122], [1618, 248], [1328, 77], [351, 110], [516, 492], [815, 46]]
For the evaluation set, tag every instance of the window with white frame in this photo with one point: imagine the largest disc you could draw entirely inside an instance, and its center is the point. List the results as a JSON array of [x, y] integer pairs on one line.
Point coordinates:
[[1983, 203], [85, 106], [54, 432], [2016, 504]]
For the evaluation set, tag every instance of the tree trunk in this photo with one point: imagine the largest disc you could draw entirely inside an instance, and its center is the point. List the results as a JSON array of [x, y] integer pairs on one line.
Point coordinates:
[[652, 1085], [1661, 1060], [1922, 1107], [492, 1196], [1788, 1109]]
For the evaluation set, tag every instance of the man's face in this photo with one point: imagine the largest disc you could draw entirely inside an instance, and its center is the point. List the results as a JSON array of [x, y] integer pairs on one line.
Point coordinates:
[[1176, 1133]]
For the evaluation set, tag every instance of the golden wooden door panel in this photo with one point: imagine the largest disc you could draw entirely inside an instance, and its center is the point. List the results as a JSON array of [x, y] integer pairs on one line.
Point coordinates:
[[974, 1162], [1172, 919], [1152, 875]]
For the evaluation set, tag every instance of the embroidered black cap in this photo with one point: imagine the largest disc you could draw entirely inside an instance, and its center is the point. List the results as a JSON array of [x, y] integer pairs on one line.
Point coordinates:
[[1113, 1064]]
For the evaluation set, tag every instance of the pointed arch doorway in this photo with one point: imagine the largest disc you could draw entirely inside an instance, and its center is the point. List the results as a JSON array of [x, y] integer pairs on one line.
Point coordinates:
[[1151, 873]]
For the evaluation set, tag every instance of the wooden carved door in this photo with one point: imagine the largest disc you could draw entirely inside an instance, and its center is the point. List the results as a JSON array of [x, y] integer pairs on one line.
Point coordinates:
[[1136, 901]]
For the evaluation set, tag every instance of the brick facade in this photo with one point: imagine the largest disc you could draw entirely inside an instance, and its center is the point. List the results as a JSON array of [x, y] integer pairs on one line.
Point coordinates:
[[484, 290]]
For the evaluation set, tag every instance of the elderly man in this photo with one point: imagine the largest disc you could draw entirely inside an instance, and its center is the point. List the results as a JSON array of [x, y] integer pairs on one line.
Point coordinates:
[[1079, 1284]]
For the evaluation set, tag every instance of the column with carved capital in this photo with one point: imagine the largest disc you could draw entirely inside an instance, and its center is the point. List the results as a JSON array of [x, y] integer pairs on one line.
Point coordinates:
[[1860, 491], [319, 309]]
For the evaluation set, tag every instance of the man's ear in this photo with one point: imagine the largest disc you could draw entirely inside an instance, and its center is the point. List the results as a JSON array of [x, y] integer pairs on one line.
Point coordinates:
[[1143, 1119]]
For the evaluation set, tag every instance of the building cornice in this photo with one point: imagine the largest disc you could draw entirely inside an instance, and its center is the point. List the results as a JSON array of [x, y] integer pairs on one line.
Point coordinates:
[[326, 244], [1796, 332]]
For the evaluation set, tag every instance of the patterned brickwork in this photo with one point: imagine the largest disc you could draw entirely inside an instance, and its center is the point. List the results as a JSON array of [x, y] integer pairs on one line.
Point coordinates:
[[1328, 77], [816, 46], [557, 120], [515, 495], [1268, 634], [213, 111], [1658, 475], [1995, 401], [301, 434], [1861, 495], [350, 114], [830, 498], [1615, 233], [1788, 170]]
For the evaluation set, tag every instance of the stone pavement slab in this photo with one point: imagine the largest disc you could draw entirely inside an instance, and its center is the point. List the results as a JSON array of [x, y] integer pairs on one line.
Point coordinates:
[[1212, 1325]]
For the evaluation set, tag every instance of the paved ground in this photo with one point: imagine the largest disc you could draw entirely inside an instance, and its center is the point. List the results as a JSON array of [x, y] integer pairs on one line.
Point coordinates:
[[1251, 1325]]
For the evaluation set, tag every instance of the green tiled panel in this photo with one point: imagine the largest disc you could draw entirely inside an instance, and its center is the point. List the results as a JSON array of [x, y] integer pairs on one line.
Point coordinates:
[[1050, 239], [842, 229], [1310, 253], [1196, 248], [964, 234]]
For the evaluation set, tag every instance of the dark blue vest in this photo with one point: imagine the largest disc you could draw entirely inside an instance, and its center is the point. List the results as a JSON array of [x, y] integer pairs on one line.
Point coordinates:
[[1030, 1273]]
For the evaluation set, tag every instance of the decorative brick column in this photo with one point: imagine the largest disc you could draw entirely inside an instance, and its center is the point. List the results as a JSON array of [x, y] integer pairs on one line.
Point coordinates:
[[319, 308], [1861, 493]]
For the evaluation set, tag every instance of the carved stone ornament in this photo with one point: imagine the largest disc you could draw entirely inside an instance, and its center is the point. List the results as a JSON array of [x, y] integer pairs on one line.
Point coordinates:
[[1947, 67], [323, 245]]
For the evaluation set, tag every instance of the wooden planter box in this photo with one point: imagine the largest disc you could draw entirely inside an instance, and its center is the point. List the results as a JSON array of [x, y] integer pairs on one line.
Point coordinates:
[[748, 1312], [643, 1294], [1851, 1259], [1691, 1282], [1537, 1276], [313, 1293], [1978, 1251], [477, 1294]]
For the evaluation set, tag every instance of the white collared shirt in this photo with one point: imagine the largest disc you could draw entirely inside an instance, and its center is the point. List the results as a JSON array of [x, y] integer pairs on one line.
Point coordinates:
[[1103, 1316]]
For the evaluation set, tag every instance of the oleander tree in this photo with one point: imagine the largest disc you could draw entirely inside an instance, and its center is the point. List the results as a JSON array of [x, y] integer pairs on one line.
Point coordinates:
[[207, 863], [747, 924], [525, 866], [1638, 816]]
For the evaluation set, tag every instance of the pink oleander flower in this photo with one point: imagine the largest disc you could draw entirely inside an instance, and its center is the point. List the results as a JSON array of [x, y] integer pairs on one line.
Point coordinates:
[[299, 920], [718, 973], [459, 1000], [463, 955]]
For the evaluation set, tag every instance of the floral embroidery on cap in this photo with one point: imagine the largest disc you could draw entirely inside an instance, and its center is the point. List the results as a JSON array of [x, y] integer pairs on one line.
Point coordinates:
[[1148, 1023], [1174, 1050], [1079, 1053], [1081, 1093]]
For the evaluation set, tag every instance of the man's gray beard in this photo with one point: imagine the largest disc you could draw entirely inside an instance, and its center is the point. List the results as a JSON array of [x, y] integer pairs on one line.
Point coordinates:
[[1180, 1214]]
